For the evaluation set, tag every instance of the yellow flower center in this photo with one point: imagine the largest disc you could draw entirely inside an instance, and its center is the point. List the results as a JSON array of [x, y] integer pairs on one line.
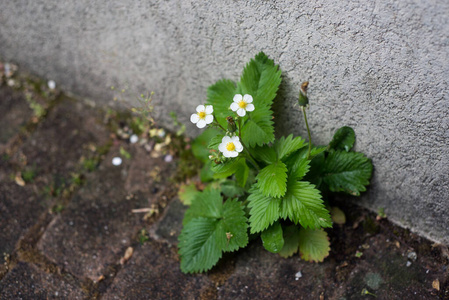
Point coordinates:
[[202, 114], [242, 104], [230, 146]]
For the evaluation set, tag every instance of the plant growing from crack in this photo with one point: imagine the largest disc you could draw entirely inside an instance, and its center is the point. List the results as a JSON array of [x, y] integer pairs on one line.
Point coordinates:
[[260, 186]]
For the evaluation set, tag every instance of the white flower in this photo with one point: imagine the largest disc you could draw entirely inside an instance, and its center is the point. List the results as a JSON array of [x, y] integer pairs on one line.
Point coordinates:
[[203, 116], [242, 104], [230, 146]]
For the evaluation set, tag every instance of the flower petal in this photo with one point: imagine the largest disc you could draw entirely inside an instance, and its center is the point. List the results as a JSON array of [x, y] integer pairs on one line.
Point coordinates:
[[209, 119], [250, 107], [248, 98], [238, 146], [226, 139], [209, 109], [222, 147], [241, 112], [194, 118], [201, 123], [233, 154], [234, 106], [238, 98], [200, 108], [227, 153]]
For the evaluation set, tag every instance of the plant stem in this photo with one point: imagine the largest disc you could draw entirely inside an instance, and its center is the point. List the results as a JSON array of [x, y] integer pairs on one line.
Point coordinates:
[[308, 131], [216, 122]]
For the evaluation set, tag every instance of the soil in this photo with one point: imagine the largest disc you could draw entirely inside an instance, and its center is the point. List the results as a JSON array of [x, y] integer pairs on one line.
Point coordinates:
[[73, 225]]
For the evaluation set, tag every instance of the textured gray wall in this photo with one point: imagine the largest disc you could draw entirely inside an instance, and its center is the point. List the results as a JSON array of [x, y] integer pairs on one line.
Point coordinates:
[[378, 66]]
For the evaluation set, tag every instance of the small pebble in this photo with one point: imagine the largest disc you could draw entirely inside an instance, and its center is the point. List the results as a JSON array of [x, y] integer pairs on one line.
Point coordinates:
[[133, 139], [413, 256], [116, 161], [408, 264], [51, 84], [168, 158], [298, 275]]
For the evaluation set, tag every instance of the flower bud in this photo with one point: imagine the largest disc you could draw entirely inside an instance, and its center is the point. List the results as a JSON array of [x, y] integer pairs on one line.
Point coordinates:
[[303, 100], [231, 124]]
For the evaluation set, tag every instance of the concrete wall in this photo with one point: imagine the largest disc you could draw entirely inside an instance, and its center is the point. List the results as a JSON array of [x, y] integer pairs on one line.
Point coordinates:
[[378, 66]]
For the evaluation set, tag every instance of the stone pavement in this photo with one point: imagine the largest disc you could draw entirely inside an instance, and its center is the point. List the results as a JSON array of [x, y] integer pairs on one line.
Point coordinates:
[[68, 229]]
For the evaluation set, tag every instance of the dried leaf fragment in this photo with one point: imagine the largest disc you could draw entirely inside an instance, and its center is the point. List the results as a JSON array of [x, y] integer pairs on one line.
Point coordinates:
[[436, 284]]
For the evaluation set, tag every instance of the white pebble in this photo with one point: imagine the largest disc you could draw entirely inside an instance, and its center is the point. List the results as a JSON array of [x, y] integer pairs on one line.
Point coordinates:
[[133, 139], [408, 264], [116, 161], [298, 275], [51, 84], [168, 158]]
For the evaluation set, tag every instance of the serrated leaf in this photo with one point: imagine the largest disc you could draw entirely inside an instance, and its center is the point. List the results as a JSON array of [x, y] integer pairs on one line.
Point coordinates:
[[220, 96], [272, 238], [186, 193], [272, 180], [291, 241], [200, 244], [200, 144], [265, 153], [259, 129], [297, 165], [264, 210], [235, 225], [261, 79], [287, 145], [206, 204], [347, 172], [344, 139], [303, 204], [215, 141], [314, 245]]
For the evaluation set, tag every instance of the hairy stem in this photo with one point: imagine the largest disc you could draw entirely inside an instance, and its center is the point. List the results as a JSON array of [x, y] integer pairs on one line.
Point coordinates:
[[308, 132]]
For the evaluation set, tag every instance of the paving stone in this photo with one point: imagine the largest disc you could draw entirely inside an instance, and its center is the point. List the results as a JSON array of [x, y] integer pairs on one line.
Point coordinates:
[[392, 273], [169, 226], [67, 134], [95, 229], [15, 113], [26, 281], [260, 274], [153, 273]]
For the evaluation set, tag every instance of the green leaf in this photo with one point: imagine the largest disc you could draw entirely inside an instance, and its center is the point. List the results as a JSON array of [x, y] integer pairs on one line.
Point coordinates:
[[205, 204], [200, 244], [265, 153], [215, 141], [297, 165], [272, 238], [303, 204], [344, 139], [291, 241], [199, 145], [241, 175], [235, 225], [286, 145], [272, 180], [227, 168], [187, 192], [261, 79], [230, 189], [264, 210], [347, 172], [220, 96], [259, 129], [313, 244], [206, 173]]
